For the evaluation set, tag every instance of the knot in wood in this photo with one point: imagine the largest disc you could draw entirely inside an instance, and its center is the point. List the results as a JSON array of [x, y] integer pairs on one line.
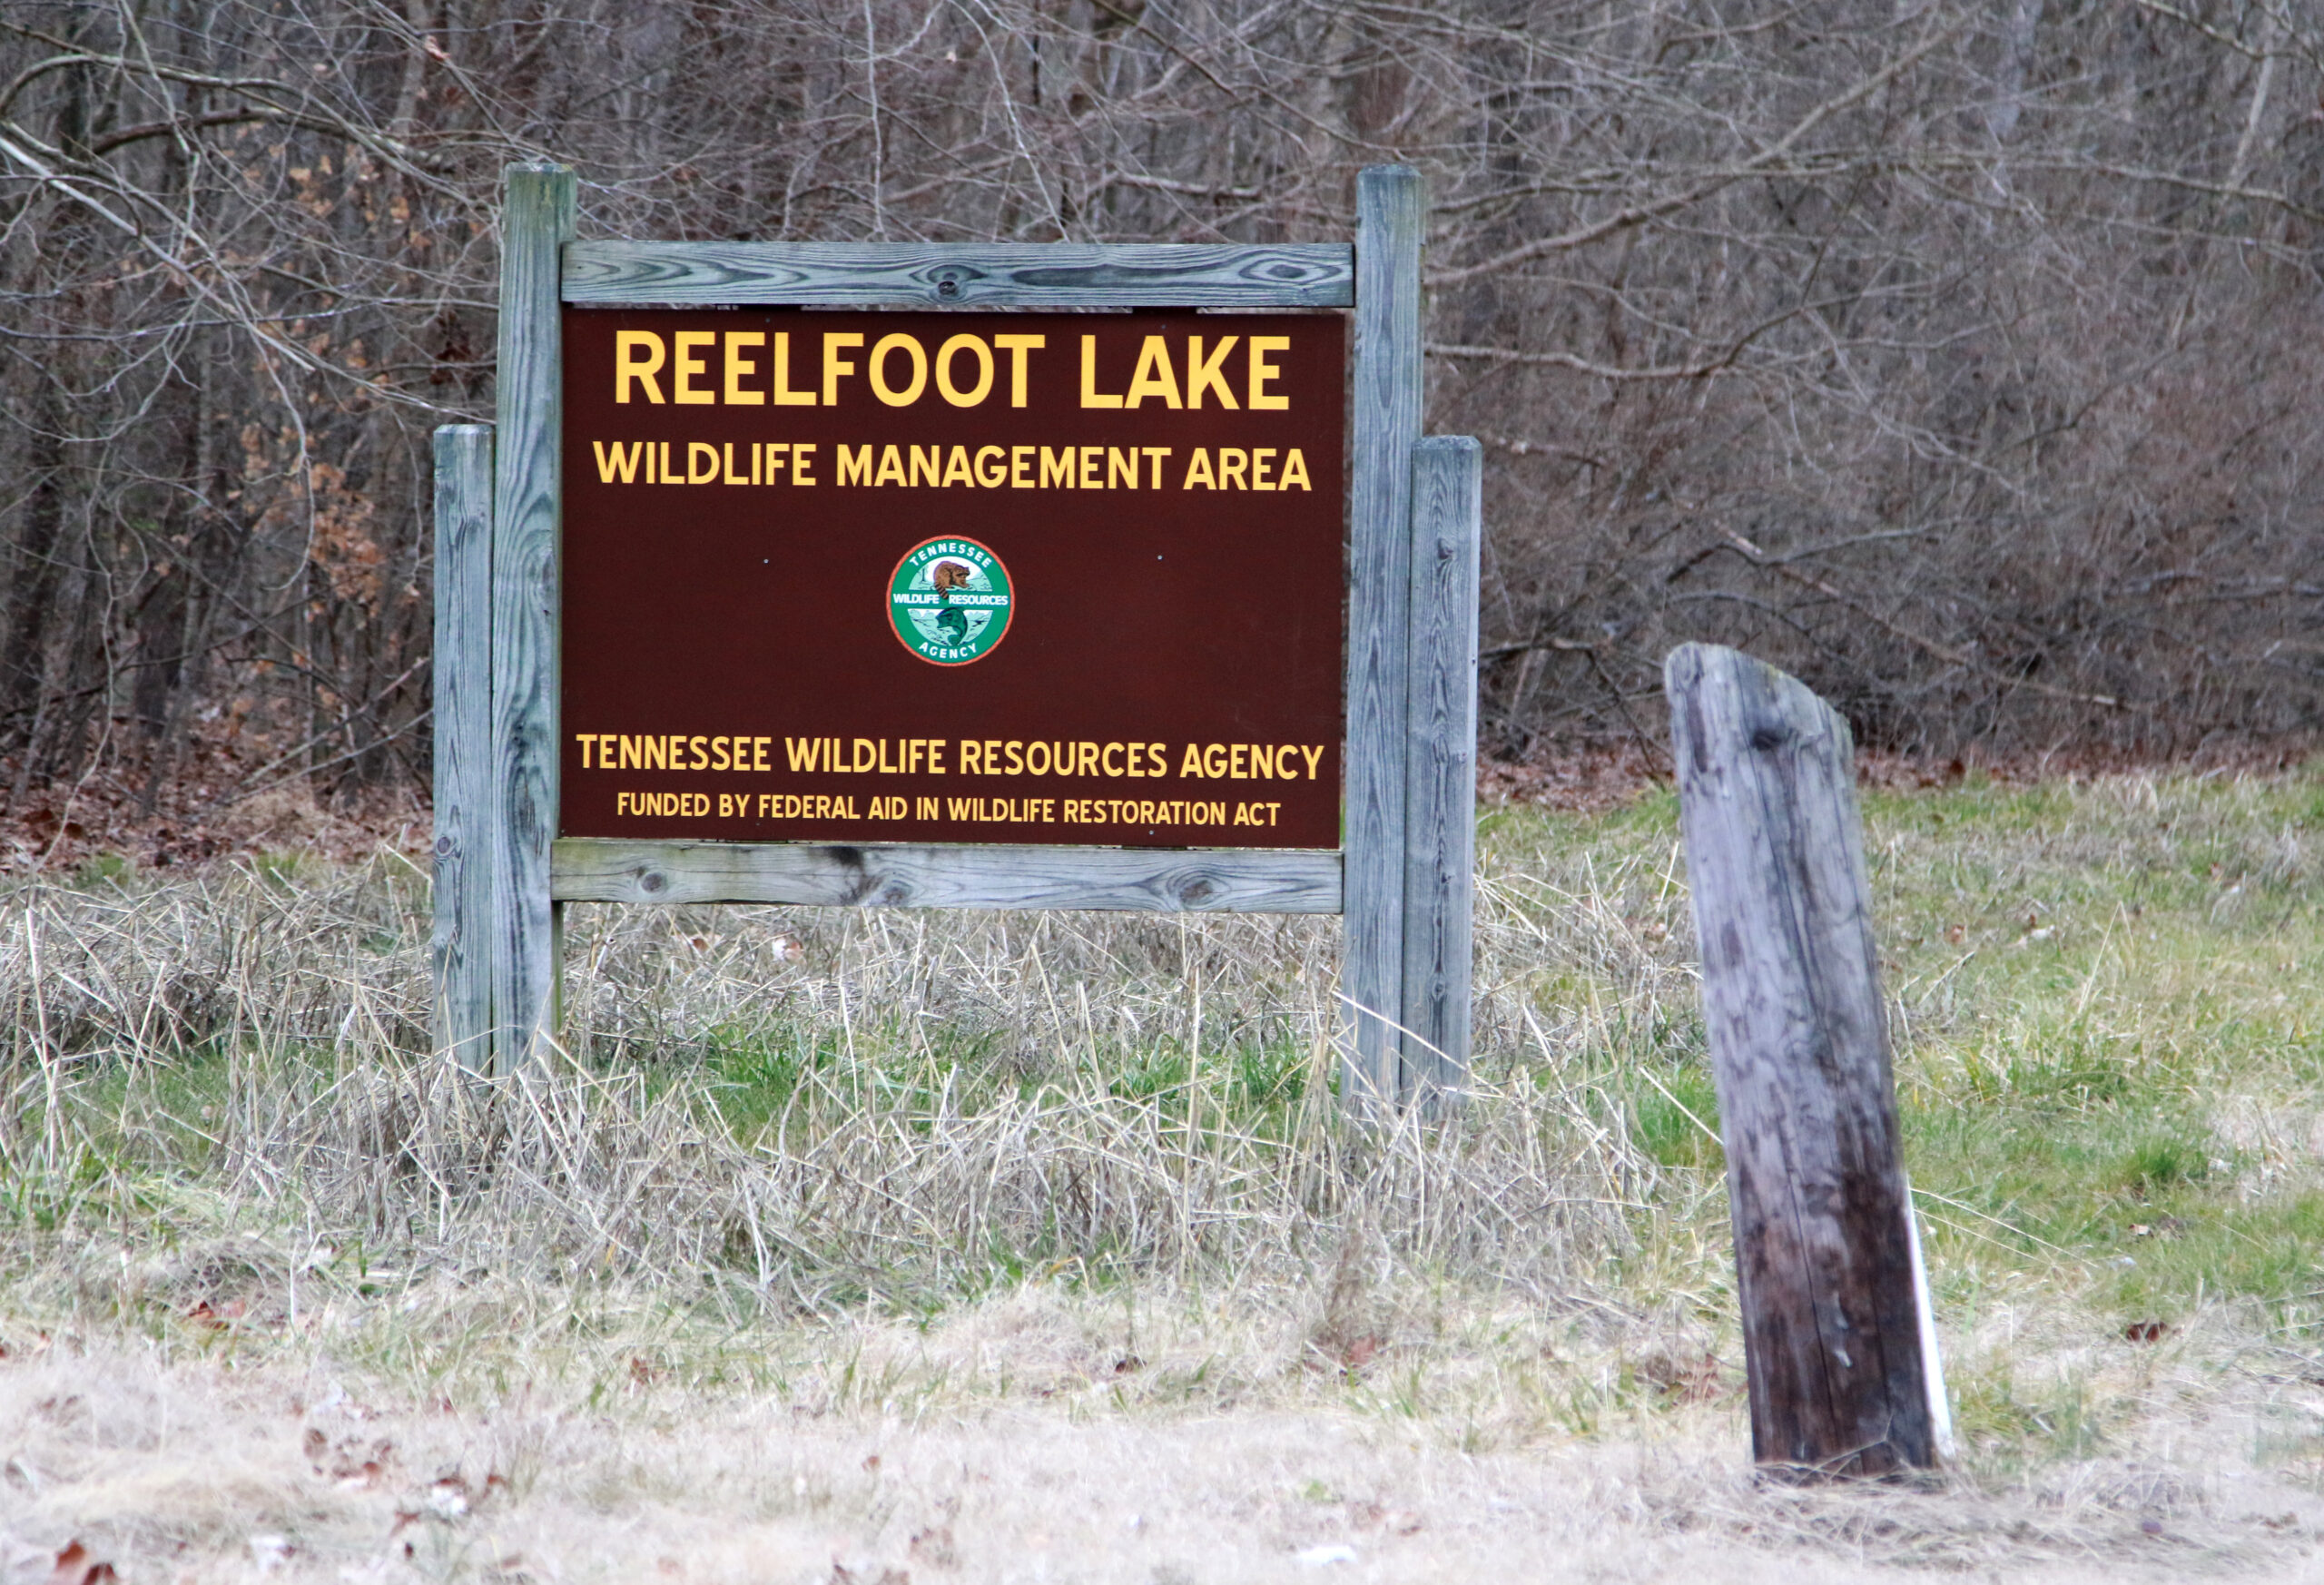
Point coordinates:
[[948, 287], [651, 882], [1769, 736], [444, 847]]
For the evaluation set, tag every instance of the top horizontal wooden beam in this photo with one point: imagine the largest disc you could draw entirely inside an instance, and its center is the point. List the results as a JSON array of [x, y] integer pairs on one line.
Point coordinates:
[[963, 274]]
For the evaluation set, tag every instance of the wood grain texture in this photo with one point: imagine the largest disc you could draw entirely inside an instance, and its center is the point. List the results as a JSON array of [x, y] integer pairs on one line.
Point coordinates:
[[1441, 768], [962, 275], [1799, 1048], [536, 220], [1167, 881], [459, 946], [1392, 211]]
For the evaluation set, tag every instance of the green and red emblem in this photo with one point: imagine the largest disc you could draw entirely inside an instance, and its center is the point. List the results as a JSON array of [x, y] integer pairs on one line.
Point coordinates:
[[948, 600]]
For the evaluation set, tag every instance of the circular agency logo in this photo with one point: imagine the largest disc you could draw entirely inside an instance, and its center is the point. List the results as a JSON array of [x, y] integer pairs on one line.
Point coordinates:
[[949, 601]]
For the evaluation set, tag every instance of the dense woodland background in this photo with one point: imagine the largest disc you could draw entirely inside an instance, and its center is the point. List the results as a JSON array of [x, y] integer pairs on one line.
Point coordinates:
[[1963, 356]]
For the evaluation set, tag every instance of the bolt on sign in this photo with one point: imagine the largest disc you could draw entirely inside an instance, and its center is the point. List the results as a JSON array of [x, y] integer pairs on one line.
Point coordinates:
[[953, 578]]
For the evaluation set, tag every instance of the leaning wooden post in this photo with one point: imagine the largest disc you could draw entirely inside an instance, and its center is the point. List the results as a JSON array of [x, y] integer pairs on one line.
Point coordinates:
[[1799, 1050], [1390, 213], [537, 221], [1441, 768], [463, 721]]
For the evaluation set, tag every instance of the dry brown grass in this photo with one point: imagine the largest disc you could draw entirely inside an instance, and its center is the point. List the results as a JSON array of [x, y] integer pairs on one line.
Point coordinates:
[[1047, 1216]]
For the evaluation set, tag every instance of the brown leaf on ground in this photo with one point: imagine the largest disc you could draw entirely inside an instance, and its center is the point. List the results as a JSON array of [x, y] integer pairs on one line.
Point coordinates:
[[75, 1567], [2147, 1331], [933, 1547], [1694, 1381], [844, 1575]]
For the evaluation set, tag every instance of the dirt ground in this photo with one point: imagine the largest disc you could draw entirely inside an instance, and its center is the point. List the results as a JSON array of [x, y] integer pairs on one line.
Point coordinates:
[[197, 1467]]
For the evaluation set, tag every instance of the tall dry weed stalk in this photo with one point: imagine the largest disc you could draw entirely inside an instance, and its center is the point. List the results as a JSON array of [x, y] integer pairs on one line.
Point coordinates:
[[954, 1099]]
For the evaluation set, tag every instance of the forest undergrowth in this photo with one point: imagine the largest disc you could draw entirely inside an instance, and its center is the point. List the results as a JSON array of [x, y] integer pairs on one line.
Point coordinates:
[[808, 1186]]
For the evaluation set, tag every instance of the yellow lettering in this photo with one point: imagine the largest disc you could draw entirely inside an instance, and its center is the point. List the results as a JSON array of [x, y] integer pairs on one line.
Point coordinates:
[[1092, 458], [933, 459], [854, 463], [834, 342], [738, 365], [1021, 467], [877, 367], [687, 366], [784, 397], [1198, 471], [1057, 469], [1155, 455], [1207, 373], [956, 469], [730, 475], [1263, 371], [1192, 764], [1154, 375], [891, 467], [1091, 396], [992, 467], [1016, 347], [983, 387], [1232, 460], [1295, 471], [620, 462], [627, 366], [702, 459], [1260, 454], [1121, 468]]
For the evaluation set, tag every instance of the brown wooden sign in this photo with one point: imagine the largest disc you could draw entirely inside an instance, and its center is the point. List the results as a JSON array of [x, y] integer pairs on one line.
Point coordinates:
[[954, 577], [958, 574]]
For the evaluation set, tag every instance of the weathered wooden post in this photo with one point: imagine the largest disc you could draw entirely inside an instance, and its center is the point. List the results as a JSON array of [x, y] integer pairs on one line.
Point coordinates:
[[463, 780], [529, 452], [1390, 216], [1799, 1048], [1440, 767]]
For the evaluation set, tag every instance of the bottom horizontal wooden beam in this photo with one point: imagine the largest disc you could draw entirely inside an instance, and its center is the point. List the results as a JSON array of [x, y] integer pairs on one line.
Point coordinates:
[[1228, 881]]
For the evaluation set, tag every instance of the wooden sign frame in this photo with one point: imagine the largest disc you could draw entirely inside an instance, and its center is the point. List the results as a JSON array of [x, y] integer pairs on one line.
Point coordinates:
[[1402, 877]]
